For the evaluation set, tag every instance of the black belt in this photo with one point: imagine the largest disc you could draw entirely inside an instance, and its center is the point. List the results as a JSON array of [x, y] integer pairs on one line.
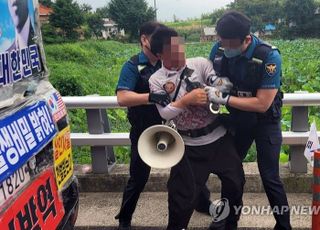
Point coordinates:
[[202, 131]]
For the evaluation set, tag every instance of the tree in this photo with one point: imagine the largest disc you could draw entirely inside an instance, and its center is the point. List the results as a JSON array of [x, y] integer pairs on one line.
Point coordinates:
[[300, 17], [216, 15], [95, 24], [67, 16], [103, 11], [130, 15], [47, 3], [85, 8], [261, 12]]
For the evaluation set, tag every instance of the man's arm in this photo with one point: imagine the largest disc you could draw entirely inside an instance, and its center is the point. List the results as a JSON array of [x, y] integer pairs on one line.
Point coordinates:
[[260, 103], [129, 98], [195, 97], [126, 84]]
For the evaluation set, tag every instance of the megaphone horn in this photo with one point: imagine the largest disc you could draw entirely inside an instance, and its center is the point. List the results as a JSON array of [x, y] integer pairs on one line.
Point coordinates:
[[161, 146]]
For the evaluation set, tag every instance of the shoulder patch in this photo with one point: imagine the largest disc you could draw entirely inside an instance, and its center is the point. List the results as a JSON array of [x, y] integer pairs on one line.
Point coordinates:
[[271, 68]]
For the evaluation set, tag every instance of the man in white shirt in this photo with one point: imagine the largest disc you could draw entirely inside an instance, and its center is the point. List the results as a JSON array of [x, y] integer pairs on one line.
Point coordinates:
[[209, 148]]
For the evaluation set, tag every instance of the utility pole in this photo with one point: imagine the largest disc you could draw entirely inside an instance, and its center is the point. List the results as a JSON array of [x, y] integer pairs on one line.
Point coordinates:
[[155, 8]]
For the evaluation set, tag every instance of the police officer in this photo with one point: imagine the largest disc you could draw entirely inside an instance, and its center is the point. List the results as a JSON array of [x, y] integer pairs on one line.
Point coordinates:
[[208, 146], [133, 91], [255, 101]]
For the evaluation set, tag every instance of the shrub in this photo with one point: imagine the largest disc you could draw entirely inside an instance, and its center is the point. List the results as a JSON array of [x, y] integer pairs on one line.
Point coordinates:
[[68, 86]]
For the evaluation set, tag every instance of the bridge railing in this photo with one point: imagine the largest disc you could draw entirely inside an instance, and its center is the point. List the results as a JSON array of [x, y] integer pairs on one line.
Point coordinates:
[[101, 140]]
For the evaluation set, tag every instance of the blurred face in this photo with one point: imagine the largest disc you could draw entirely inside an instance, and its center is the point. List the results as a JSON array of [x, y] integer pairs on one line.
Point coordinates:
[[173, 55], [19, 12]]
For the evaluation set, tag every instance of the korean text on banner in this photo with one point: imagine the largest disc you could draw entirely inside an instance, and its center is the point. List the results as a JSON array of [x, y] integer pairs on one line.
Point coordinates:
[[38, 207], [62, 154], [22, 62], [22, 135]]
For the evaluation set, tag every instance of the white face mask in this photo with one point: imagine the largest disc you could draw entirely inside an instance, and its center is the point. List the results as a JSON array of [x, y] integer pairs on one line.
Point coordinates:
[[230, 53]]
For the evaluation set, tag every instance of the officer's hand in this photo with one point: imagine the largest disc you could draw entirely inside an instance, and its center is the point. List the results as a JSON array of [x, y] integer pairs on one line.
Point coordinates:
[[196, 97], [162, 99], [216, 96], [223, 84]]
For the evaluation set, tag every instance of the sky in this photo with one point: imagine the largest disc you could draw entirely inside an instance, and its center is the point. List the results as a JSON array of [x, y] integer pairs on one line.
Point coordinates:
[[182, 9]]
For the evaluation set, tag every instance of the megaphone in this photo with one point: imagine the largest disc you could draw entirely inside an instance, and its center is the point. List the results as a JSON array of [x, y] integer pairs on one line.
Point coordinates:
[[161, 146]]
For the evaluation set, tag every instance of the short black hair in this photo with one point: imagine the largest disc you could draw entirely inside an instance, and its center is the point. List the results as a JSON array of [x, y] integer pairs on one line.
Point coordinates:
[[148, 28], [161, 37], [233, 25]]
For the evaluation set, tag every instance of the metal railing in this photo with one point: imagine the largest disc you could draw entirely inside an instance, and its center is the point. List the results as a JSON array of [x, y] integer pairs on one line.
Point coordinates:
[[102, 140]]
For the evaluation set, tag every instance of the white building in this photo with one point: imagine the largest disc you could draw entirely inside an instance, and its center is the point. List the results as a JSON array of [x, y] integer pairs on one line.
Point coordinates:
[[208, 34], [111, 29]]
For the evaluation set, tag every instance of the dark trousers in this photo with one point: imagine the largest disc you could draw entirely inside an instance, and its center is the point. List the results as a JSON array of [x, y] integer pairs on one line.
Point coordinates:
[[139, 174], [189, 176], [268, 139]]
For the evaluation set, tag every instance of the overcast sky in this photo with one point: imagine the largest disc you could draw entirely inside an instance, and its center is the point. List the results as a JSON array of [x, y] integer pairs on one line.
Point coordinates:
[[182, 9]]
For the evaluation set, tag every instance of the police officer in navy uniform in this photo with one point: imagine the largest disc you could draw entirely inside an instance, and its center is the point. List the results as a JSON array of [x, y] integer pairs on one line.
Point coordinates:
[[133, 92], [254, 103]]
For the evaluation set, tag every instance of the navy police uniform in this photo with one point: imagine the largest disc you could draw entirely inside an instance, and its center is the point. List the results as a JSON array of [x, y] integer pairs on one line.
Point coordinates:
[[134, 77], [258, 68]]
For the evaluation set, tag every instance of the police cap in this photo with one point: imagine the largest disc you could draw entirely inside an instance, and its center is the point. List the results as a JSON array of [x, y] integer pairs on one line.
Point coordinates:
[[233, 25]]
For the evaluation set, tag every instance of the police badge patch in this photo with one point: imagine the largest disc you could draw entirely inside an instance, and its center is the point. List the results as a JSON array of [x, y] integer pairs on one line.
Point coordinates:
[[271, 69], [169, 87]]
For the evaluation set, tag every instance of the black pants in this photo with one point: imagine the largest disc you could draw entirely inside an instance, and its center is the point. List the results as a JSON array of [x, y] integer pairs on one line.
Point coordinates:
[[139, 174], [189, 177], [268, 139]]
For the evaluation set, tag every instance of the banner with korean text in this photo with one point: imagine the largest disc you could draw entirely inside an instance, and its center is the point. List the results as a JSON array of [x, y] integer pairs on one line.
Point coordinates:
[[22, 62], [38, 207], [62, 154], [22, 135]]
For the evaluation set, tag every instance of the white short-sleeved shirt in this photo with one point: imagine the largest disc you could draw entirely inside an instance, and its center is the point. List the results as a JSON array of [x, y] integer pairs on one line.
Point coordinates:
[[191, 117]]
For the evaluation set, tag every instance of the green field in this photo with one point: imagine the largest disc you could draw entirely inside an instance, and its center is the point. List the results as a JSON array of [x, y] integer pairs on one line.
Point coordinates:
[[93, 67]]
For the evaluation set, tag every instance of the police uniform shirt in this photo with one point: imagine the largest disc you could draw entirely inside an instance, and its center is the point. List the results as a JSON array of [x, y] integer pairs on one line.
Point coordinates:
[[191, 117], [271, 75], [130, 75]]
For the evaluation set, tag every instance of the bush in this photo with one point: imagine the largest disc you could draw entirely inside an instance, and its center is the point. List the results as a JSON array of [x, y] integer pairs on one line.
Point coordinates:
[[68, 86], [49, 34]]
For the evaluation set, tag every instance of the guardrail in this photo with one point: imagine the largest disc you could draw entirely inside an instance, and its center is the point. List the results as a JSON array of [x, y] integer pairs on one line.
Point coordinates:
[[101, 139]]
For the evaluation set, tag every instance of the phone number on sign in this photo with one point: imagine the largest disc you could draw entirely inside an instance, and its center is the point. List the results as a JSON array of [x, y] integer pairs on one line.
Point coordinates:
[[13, 184]]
